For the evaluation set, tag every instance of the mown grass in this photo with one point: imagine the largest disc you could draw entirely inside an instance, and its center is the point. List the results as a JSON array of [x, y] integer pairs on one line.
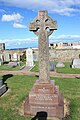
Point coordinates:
[[71, 90], [36, 67], [19, 87], [66, 70], [5, 67]]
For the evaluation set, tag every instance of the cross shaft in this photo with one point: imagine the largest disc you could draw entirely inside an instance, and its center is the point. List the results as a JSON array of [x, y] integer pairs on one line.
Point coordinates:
[[43, 26]]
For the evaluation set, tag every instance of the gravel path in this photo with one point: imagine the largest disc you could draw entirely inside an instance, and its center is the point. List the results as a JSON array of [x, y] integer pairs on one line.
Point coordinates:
[[52, 74]]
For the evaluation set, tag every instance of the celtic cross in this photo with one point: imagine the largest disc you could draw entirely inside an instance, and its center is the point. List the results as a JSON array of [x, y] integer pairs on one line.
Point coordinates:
[[43, 26]]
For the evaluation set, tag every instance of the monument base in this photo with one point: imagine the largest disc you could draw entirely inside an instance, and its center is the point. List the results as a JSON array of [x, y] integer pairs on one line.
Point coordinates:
[[45, 97]]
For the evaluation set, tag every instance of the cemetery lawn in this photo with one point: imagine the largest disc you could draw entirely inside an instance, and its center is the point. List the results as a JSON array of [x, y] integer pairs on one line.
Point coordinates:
[[4, 67], [36, 67], [19, 87], [65, 70]]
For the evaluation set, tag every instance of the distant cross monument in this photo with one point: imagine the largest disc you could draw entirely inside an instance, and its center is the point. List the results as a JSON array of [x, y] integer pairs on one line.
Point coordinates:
[[45, 95], [43, 26]]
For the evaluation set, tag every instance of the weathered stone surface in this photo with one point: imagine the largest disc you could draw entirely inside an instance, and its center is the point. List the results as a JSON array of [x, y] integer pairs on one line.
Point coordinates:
[[51, 66], [29, 57], [12, 64], [76, 63], [1, 83], [44, 96], [3, 89], [39, 27], [15, 57], [64, 55]]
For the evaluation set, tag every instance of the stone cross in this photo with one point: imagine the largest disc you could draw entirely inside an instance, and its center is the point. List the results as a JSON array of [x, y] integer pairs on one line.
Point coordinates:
[[43, 26]]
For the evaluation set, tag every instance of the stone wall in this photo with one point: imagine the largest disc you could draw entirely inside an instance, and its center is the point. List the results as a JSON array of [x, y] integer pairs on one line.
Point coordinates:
[[64, 55]]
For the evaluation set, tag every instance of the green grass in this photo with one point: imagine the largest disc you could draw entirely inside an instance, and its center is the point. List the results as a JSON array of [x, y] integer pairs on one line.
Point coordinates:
[[4, 67], [66, 69], [71, 90], [19, 87], [36, 67]]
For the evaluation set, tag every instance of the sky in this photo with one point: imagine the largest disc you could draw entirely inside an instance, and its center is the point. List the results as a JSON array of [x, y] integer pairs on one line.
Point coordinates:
[[15, 16]]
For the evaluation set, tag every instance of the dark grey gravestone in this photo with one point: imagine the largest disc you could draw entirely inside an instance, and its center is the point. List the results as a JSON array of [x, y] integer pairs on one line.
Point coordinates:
[[76, 63], [3, 88], [60, 65], [51, 66], [1, 83]]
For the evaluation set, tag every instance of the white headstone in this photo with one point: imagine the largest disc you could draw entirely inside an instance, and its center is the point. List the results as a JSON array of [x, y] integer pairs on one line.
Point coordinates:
[[76, 63], [7, 56], [15, 57], [29, 57], [0, 63], [1, 57], [60, 65]]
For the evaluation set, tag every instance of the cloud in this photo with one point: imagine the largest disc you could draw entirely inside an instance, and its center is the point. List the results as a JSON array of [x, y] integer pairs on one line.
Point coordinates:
[[31, 42], [14, 17], [62, 7], [18, 25], [19, 43], [2, 10], [65, 38]]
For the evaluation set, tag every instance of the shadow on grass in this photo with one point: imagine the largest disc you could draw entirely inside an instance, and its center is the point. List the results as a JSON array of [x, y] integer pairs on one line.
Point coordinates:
[[5, 77], [40, 116], [3, 85]]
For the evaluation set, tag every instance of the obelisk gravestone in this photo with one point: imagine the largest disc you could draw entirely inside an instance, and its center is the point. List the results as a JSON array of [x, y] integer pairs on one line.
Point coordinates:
[[44, 96]]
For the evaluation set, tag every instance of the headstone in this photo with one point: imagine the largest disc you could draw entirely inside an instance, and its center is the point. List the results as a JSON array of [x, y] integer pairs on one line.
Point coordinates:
[[51, 66], [15, 57], [60, 65], [0, 63], [3, 87], [7, 57], [29, 57], [44, 96], [76, 63], [1, 57], [12, 64]]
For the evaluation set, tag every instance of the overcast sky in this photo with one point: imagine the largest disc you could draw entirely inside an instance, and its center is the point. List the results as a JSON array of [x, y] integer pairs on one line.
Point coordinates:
[[15, 16]]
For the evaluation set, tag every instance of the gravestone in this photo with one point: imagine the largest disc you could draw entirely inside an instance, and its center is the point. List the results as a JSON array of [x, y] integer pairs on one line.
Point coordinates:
[[51, 66], [7, 56], [60, 65], [45, 95], [3, 87], [12, 64], [15, 57], [29, 57], [1, 63], [1, 57], [76, 63]]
